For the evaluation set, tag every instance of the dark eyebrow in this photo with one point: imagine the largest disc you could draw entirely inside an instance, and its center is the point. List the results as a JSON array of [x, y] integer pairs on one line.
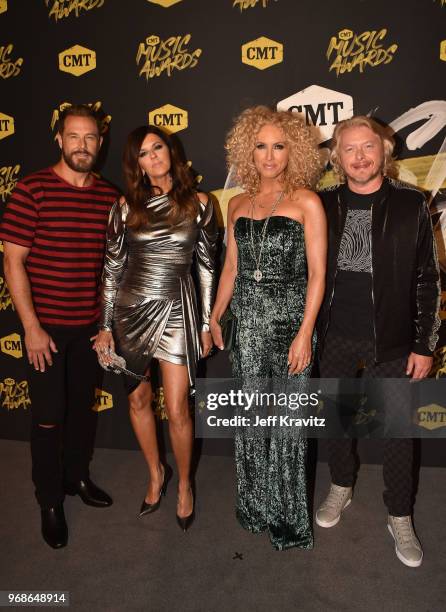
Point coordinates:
[[153, 145], [77, 134]]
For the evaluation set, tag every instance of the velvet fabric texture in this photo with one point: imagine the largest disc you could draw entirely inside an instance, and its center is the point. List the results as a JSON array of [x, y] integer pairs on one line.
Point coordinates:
[[271, 464]]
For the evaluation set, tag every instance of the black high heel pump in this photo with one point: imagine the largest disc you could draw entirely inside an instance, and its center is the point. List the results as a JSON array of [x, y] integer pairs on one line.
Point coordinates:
[[185, 522], [149, 508]]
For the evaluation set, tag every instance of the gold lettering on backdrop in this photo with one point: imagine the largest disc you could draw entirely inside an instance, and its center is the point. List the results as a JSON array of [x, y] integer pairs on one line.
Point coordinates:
[[443, 310], [158, 404], [156, 56], [9, 67], [5, 297], [105, 122], [64, 8], [247, 4], [352, 50], [8, 180], [439, 366], [14, 394]]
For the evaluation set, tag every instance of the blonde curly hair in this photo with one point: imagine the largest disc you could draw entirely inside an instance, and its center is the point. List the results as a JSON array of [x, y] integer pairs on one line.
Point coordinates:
[[304, 164], [389, 164]]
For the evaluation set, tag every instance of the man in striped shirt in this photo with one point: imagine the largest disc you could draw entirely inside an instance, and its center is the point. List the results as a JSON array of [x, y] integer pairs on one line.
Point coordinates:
[[54, 230]]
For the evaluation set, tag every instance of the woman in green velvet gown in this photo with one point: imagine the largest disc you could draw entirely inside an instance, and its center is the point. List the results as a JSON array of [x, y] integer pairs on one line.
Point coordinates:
[[274, 274]]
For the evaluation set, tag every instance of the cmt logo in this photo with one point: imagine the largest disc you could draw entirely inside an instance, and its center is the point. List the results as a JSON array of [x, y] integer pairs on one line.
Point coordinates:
[[6, 126], [443, 50], [431, 417], [262, 53], [165, 3], [102, 401], [170, 118], [12, 345], [322, 107], [3, 6], [77, 60]]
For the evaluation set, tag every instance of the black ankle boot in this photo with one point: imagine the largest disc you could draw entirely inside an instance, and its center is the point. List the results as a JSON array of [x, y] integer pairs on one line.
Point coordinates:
[[89, 493], [54, 526]]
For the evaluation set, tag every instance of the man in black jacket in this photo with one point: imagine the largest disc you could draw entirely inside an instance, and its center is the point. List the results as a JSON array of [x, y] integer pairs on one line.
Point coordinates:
[[380, 310]]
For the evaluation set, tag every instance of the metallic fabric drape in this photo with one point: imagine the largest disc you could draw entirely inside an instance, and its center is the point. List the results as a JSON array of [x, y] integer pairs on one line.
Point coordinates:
[[148, 296]]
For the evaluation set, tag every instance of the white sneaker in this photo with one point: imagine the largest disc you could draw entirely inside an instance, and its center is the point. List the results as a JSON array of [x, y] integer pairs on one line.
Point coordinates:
[[407, 545], [329, 512]]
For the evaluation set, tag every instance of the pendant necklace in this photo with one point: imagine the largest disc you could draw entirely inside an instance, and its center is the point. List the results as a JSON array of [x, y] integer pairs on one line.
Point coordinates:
[[257, 274]]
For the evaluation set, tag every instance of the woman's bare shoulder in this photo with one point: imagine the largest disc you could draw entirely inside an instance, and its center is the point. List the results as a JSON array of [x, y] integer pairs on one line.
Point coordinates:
[[238, 201], [306, 200]]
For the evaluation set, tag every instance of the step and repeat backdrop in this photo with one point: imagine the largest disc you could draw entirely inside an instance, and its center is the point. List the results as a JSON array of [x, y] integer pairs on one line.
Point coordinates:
[[190, 66]]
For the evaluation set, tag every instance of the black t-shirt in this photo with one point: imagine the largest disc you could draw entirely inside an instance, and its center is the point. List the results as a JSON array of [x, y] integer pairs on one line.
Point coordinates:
[[352, 307]]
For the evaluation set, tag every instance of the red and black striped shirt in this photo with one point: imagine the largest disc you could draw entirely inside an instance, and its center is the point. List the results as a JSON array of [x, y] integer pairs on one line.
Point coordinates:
[[64, 227]]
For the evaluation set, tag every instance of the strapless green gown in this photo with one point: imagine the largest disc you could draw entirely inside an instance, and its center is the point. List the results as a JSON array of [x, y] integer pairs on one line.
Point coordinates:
[[271, 471]]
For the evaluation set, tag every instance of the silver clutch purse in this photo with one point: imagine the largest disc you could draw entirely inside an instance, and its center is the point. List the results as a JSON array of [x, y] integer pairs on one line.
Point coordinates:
[[118, 365]]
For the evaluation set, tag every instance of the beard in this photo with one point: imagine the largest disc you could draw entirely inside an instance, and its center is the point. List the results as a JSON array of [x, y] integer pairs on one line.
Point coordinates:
[[82, 164]]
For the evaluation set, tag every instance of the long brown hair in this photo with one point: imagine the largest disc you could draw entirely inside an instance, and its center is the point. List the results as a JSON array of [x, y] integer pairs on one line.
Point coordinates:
[[139, 189]]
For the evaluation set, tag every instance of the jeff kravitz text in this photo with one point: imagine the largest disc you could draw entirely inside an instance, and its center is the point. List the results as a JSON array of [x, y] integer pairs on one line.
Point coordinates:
[[272, 420]]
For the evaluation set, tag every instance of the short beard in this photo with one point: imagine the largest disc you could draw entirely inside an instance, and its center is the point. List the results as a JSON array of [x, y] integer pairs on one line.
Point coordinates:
[[84, 165]]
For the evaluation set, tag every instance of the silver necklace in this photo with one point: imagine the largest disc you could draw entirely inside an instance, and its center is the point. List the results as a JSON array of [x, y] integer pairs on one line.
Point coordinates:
[[257, 274]]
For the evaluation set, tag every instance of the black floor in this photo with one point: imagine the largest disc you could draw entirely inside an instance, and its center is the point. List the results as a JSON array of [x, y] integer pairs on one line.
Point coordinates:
[[115, 561]]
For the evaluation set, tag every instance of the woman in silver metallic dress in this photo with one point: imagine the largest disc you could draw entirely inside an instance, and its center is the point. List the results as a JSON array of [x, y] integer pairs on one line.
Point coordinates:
[[149, 306]]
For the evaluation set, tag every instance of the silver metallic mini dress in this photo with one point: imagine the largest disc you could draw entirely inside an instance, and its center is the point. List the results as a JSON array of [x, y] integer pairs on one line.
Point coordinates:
[[148, 296]]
